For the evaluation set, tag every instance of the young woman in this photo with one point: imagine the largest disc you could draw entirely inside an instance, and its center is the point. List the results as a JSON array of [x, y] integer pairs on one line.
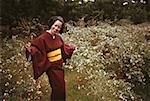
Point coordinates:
[[48, 52]]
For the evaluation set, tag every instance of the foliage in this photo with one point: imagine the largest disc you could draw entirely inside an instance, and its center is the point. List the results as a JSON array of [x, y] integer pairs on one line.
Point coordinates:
[[17, 82], [112, 52], [137, 11], [138, 15], [17, 9], [111, 62]]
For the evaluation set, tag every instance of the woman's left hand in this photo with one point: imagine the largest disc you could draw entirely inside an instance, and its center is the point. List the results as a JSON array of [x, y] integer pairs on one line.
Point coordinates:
[[28, 47]]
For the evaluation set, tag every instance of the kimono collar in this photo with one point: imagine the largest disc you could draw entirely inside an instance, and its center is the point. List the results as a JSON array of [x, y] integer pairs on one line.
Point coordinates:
[[53, 36]]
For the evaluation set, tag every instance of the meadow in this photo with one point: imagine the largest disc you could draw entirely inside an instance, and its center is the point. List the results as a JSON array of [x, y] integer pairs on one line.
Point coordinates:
[[111, 63]]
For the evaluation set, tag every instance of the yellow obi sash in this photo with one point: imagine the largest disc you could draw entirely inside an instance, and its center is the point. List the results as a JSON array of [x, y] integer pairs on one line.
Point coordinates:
[[54, 55]]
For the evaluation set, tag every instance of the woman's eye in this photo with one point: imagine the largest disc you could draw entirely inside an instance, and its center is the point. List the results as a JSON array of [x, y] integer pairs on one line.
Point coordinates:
[[56, 26]]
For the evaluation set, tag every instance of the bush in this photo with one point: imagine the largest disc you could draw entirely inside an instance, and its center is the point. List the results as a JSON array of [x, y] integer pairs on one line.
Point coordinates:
[[138, 15], [107, 53]]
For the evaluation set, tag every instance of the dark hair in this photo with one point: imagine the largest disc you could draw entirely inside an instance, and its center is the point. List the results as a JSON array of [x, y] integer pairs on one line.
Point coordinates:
[[52, 20]]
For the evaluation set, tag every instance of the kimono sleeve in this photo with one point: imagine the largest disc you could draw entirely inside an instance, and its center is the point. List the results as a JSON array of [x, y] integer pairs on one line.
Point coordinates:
[[67, 51], [39, 59]]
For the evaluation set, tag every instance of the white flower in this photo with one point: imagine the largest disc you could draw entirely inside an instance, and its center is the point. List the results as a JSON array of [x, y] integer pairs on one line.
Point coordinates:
[[7, 83], [79, 87]]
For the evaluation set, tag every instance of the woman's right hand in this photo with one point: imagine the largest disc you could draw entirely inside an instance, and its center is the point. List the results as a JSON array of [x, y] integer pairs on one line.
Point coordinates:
[[28, 46]]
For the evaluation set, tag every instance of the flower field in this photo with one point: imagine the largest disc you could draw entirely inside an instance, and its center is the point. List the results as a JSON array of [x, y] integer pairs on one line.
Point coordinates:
[[110, 63]]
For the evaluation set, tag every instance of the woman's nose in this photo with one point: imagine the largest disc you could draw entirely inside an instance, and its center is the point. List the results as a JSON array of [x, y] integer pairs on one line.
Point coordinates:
[[57, 28]]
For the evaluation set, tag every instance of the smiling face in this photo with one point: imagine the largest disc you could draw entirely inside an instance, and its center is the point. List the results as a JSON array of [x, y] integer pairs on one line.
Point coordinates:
[[56, 27]]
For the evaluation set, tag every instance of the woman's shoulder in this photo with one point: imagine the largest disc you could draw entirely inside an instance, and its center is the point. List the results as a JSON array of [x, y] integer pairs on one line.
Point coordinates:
[[59, 36], [42, 36]]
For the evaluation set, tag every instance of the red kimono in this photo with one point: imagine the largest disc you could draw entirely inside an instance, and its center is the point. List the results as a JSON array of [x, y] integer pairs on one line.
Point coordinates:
[[48, 55]]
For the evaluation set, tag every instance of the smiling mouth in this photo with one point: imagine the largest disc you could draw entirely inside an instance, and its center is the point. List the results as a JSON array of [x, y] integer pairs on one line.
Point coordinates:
[[55, 31]]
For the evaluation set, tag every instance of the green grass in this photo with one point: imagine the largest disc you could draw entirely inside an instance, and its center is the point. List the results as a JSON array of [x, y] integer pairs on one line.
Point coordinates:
[[74, 85]]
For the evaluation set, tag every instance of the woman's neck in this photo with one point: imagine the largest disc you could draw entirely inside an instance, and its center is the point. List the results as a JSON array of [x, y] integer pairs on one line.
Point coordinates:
[[49, 32]]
